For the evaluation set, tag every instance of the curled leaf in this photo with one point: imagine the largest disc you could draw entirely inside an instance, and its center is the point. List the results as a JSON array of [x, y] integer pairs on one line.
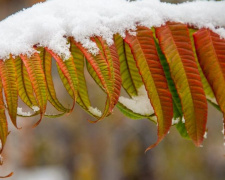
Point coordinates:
[[37, 77]]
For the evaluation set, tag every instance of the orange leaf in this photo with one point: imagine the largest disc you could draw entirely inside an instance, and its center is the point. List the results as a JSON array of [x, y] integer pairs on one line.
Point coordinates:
[[7, 176], [176, 45], [145, 54], [210, 49]]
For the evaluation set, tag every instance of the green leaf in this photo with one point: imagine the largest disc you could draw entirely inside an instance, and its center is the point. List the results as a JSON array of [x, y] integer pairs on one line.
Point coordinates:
[[131, 79], [182, 130]]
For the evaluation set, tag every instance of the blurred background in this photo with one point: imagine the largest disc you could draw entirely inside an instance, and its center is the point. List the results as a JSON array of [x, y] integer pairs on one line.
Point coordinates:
[[70, 148]]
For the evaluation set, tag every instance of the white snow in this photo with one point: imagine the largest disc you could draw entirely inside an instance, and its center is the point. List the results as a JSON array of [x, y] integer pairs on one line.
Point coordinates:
[[20, 112], [95, 111], [42, 173], [49, 23], [139, 104], [183, 120], [205, 135], [35, 108], [175, 121]]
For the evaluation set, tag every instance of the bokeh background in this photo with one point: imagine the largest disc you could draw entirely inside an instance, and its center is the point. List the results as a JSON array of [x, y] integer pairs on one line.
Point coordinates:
[[70, 148]]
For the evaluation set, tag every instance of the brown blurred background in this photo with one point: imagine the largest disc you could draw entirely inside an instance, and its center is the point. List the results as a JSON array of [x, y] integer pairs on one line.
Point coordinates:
[[70, 148]]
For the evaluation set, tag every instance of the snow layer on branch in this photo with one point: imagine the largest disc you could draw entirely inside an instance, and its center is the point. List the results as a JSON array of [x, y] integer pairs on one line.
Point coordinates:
[[139, 104], [50, 22]]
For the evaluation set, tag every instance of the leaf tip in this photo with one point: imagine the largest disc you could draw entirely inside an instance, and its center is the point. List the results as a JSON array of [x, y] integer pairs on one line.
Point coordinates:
[[7, 176]]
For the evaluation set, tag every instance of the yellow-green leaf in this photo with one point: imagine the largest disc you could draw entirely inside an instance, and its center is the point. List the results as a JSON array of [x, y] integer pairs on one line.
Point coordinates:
[[69, 73], [47, 67], [24, 85], [3, 121], [8, 76], [78, 57], [131, 79], [99, 68], [36, 73]]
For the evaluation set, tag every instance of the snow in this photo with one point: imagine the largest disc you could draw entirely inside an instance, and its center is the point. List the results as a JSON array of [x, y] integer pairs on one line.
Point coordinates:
[[95, 111], [183, 120], [35, 108], [139, 104], [42, 173], [175, 121], [49, 23], [205, 135], [20, 112]]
